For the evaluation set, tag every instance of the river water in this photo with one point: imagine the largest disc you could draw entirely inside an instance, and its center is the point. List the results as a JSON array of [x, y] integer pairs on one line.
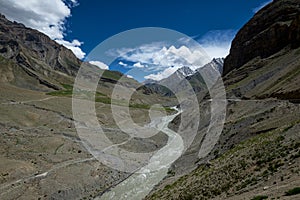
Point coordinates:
[[138, 185]]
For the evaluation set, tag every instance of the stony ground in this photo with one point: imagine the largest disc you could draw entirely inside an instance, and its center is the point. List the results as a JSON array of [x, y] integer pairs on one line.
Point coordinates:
[[259, 142], [42, 156], [265, 163]]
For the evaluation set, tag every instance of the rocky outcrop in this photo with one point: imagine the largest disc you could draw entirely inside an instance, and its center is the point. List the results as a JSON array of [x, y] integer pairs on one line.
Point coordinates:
[[39, 62], [31, 60], [262, 81], [270, 30], [34, 50]]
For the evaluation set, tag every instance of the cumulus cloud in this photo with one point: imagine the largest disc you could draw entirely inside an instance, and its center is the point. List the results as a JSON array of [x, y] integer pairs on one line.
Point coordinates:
[[256, 9], [129, 76], [47, 16], [122, 64], [159, 55], [139, 65], [99, 64], [160, 59], [74, 46], [163, 74], [216, 43]]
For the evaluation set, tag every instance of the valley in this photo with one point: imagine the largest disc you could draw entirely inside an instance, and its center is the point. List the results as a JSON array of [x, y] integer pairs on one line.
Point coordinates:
[[256, 155]]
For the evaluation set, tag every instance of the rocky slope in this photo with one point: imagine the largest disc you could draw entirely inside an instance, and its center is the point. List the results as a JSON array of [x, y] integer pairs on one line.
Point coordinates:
[[257, 156], [42, 156], [271, 29], [216, 63], [32, 60], [38, 57], [177, 81]]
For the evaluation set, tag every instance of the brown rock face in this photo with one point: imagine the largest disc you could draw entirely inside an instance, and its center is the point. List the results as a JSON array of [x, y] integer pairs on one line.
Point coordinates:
[[270, 30], [35, 61], [19, 43]]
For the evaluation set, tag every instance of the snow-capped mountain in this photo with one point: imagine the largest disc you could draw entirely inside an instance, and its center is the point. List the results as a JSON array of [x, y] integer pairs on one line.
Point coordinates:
[[174, 80], [216, 63], [185, 71], [177, 76]]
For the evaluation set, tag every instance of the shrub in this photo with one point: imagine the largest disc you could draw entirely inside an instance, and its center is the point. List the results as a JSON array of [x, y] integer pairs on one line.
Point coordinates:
[[260, 197], [293, 191]]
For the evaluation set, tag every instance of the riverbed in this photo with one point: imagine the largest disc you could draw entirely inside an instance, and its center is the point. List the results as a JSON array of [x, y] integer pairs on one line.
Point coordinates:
[[138, 185]]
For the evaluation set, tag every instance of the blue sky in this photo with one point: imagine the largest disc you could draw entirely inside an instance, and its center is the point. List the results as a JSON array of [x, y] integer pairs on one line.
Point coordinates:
[[82, 24], [94, 21]]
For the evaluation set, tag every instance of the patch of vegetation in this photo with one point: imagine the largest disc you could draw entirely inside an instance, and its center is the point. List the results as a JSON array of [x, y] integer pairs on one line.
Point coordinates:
[[168, 109], [233, 172], [100, 97], [112, 75], [67, 87], [56, 150], [142, 106], [288, 128], [61, 93], [260, 197], [171, 173], [68, 92], [293, 191], [105, 100], [273, 167], [297, 155]]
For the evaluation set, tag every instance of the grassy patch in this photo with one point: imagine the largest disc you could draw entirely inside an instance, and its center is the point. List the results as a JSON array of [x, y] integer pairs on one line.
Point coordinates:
[[111, 75], [61, 93], [67, 87], [260, 197], [104, 99], [68, 92], [100, 97], [293, 191], [141, 106]]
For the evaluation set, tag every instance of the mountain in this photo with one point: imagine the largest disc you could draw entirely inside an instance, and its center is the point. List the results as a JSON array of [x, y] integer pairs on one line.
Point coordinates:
[[34, 57], [32, 60], [257, 155], [269, 31], [209, 70], [176, 77], [42, 155], [184, 72], [216, 63], [176, 81]]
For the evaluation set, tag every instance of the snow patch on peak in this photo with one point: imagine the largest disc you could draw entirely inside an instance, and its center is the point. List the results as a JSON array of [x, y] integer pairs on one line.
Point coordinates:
[[185, 71]]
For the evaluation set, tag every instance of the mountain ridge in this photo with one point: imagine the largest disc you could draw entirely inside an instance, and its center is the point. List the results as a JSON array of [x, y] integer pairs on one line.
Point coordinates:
[[261, 77], [270, 30]]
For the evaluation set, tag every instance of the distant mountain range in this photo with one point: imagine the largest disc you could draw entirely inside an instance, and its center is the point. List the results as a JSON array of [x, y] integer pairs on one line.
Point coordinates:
[[174, 81]]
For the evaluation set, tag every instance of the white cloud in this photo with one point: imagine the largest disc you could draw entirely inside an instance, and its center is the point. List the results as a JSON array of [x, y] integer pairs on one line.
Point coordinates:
[[162, 56], [216, 43], [255, 10], [129, 76], [74, 46], [99, 64], [163, 74], [139, 65], [122, 64], [47, 16], [159, 60]]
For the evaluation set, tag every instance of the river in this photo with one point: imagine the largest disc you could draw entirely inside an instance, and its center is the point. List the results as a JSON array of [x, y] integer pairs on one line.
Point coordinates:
[[138, 185]]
